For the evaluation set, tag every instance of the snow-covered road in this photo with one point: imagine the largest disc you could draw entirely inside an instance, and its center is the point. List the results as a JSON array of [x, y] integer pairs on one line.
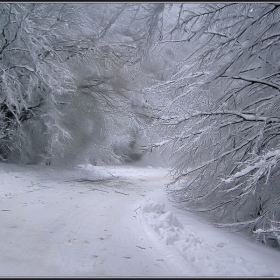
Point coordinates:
[[112, 221]]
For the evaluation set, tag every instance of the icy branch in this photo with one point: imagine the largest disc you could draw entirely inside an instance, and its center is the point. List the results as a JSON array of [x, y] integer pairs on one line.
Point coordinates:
[[259, 81], [265, 162], [244, 116]]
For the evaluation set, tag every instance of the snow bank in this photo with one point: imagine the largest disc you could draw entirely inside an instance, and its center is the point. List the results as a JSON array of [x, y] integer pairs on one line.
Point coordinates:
[[165, 224], [202, 259]]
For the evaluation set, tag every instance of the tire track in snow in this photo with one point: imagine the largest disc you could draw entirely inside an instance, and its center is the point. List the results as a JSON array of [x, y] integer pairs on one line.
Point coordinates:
[[83, 228]]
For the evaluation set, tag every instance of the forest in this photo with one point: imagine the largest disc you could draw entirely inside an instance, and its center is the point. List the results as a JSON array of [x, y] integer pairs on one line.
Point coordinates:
[[108, 83]]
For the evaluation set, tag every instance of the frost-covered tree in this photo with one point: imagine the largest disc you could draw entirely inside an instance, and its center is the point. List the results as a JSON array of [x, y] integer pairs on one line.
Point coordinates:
[[219, 113], [64, 79]]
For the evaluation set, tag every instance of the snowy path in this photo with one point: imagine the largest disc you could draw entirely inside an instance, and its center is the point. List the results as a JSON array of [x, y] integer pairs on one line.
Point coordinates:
[[112, 221]]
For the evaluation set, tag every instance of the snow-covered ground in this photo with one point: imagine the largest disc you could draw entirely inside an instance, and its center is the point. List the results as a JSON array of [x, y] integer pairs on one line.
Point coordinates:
[[112, 221]]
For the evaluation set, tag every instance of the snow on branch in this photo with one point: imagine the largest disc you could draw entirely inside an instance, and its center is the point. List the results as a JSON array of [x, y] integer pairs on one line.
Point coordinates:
[[244, 116], [216, 33], [239, 224], [170, 85], [219, 157], [272, 230], [259, 81], [261, 167], [162, 143]]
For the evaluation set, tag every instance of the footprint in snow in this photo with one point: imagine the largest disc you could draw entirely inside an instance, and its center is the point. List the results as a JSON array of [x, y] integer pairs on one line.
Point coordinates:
[[221, 244]]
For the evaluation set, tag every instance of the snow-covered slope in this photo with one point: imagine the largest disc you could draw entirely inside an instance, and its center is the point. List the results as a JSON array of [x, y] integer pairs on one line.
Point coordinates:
[[112, 221]]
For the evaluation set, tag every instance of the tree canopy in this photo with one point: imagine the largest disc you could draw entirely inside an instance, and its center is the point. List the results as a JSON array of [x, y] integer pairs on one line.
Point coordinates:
[[219, 115]]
